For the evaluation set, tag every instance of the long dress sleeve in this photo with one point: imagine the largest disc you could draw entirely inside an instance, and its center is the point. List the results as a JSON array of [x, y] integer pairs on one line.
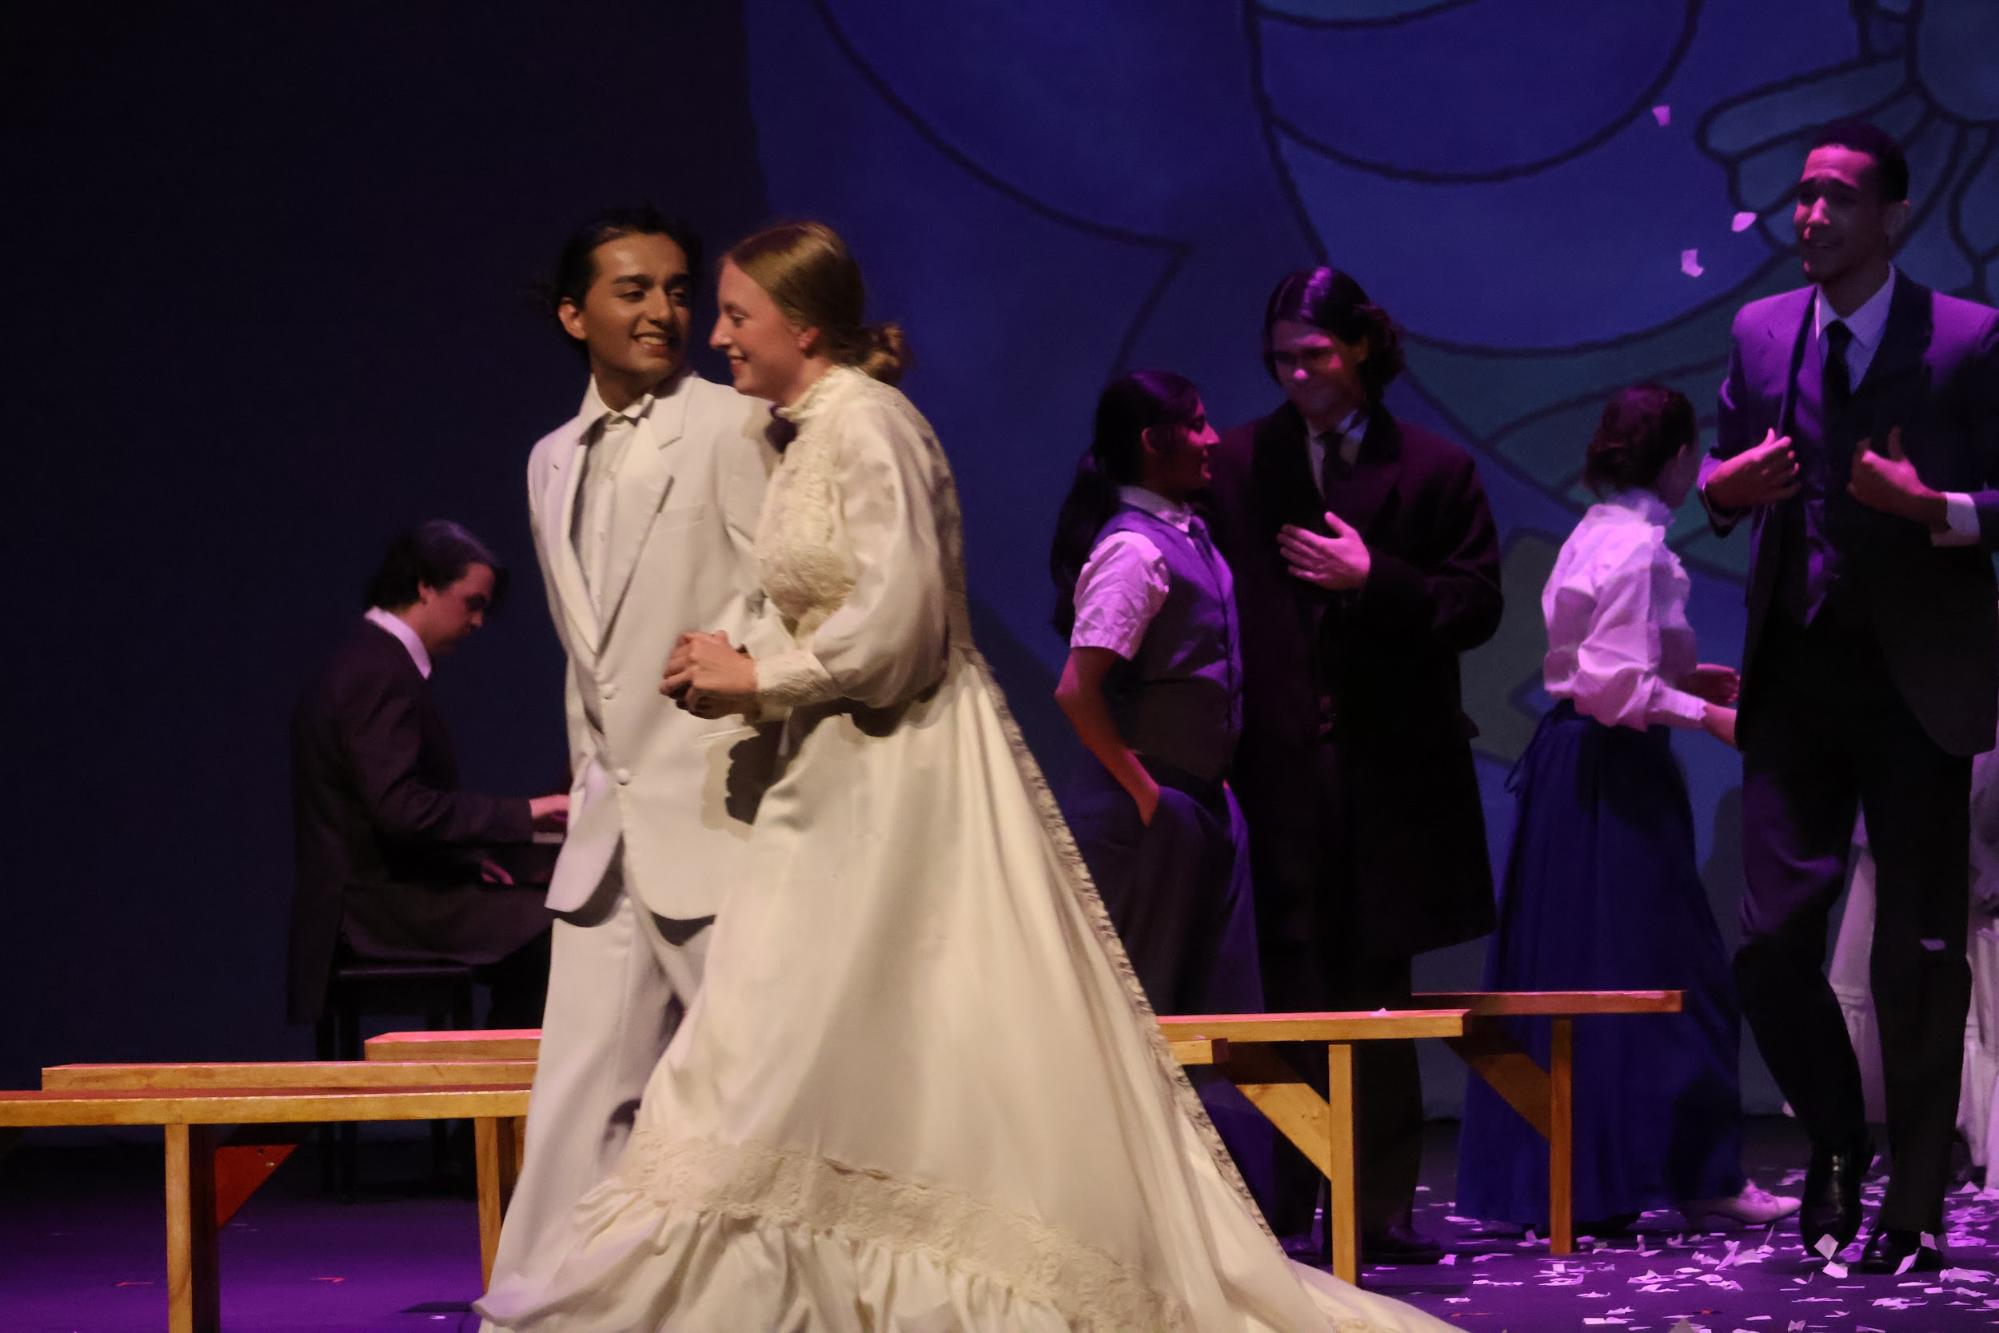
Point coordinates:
[[885, 642]]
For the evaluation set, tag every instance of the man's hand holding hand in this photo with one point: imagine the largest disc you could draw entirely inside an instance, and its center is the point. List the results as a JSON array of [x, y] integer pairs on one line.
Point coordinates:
[[708, 676], [549, 813]]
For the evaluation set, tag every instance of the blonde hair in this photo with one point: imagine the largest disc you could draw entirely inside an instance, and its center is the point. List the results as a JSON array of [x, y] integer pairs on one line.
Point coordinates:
[[808, 272]]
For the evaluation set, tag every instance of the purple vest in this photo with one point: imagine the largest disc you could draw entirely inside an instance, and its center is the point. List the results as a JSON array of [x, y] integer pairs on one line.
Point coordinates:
[[1178, 701]]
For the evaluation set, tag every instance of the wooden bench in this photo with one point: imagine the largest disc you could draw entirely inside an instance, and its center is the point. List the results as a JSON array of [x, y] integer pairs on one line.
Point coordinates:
[[1544, 1098], [1320, 1127], [208, 1179], [1236, 1044], [1469, 1022]]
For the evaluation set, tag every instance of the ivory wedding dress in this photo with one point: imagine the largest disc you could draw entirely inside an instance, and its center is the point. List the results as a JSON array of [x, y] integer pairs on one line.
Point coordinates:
[[920, 1088]]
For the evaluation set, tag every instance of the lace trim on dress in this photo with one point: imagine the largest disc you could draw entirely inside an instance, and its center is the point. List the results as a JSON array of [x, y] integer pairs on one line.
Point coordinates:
[[1080, 884], [792, 679], [816, 393], [1037, 1262]]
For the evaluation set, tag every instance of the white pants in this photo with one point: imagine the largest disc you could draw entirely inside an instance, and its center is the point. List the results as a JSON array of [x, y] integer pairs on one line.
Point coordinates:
[[619, 980]]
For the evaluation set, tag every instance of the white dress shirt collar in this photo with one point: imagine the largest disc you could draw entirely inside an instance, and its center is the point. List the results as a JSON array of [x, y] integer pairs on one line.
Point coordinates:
[[595, 411], [1157, 505], [1866, 324], [1641, 503], [395, 625]]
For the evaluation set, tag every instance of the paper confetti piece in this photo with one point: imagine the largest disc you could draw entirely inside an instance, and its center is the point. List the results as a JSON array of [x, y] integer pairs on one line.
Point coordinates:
[[1741, 222], [1690, 263], [1663, 114]]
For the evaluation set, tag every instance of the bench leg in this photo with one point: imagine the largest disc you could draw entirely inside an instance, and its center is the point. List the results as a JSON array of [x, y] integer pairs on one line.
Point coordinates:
[[1343, 1186], [1561, 1141], [491, 1159], [194, 1302]]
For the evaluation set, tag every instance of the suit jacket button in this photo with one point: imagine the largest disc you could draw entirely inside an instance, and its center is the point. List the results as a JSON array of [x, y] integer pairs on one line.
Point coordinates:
[[624, 775], [609, 692]]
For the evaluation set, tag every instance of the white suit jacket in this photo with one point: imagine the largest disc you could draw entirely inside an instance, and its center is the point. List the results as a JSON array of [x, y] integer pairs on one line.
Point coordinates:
[[670, 793]]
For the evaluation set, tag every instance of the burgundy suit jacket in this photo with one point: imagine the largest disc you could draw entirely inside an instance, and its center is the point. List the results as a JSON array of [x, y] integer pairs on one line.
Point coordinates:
[[1373, 674]]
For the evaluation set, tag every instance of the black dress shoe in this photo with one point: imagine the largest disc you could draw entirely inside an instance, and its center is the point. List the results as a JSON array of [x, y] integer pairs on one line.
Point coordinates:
[[1893, 1251], [1831, 1205], [1398, 1243]]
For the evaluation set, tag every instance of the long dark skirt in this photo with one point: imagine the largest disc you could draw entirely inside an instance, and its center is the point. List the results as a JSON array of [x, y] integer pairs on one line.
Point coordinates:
[[1602, 892], [1178, 891]]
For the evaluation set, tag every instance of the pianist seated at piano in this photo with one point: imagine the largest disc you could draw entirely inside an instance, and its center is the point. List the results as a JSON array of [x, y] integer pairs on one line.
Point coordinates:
[[394, 861]]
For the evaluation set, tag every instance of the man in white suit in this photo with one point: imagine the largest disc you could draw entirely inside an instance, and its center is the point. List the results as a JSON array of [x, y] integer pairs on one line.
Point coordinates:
[[644, 508]]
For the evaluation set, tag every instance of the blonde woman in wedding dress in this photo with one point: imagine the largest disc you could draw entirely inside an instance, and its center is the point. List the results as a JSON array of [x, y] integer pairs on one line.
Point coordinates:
[[920, 1089]]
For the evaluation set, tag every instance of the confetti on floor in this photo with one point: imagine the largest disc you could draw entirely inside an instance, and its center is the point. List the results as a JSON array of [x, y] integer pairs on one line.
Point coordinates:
[[1660, 1277]]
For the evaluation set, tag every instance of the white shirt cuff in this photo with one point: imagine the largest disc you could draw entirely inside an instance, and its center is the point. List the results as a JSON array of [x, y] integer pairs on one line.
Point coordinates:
[[1677, 708], [1961, 519]]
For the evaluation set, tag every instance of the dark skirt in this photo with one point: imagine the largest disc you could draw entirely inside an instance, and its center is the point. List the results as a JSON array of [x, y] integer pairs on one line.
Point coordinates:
[[1602, 892]]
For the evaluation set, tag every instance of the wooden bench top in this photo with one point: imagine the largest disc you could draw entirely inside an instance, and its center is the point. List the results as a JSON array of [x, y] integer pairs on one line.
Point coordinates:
[[1364, 1025], [488, 1044], [290, 1074], [256, 1106], [1554, 1003], [517, 1049]]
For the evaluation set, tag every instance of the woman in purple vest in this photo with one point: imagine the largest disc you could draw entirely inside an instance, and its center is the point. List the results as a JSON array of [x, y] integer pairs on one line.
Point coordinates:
[[1152, 686], [1602, 888]]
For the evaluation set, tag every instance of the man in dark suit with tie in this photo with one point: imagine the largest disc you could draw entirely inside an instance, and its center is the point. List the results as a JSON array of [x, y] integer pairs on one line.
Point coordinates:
[[1859, 431], [392, 857], [1366, 561]]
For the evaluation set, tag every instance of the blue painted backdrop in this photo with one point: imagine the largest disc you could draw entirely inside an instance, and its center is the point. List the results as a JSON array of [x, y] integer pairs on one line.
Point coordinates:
[[266, 305], [1553, 197]]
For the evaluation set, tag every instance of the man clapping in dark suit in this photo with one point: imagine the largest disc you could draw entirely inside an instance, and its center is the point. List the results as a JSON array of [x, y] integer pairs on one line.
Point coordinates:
[[388, 848], [1859, 432]]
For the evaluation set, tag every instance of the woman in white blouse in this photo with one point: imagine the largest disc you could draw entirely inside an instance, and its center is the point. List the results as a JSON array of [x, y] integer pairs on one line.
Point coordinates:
[[920, 1088], [1602, 888]]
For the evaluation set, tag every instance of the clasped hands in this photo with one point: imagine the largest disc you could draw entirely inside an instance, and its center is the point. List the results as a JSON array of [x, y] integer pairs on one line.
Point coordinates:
[[709, 676], [1768, 473], [1338, 562]]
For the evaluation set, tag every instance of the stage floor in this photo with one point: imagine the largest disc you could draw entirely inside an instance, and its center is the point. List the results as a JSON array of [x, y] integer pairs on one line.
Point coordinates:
[[81, 1248]]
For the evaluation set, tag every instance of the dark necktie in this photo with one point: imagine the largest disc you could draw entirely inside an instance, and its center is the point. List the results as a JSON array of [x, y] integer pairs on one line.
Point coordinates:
[[1333, 465], [1838, 380]]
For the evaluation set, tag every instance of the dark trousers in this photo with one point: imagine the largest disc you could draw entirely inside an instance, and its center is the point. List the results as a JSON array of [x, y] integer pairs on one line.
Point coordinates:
[[1178, 891], [1827, 733], [1317, 956]]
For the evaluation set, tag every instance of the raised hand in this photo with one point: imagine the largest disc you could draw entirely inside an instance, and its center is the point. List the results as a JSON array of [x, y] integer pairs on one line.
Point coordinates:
[[1763, 475], [1337, 563], [1888, 482]]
